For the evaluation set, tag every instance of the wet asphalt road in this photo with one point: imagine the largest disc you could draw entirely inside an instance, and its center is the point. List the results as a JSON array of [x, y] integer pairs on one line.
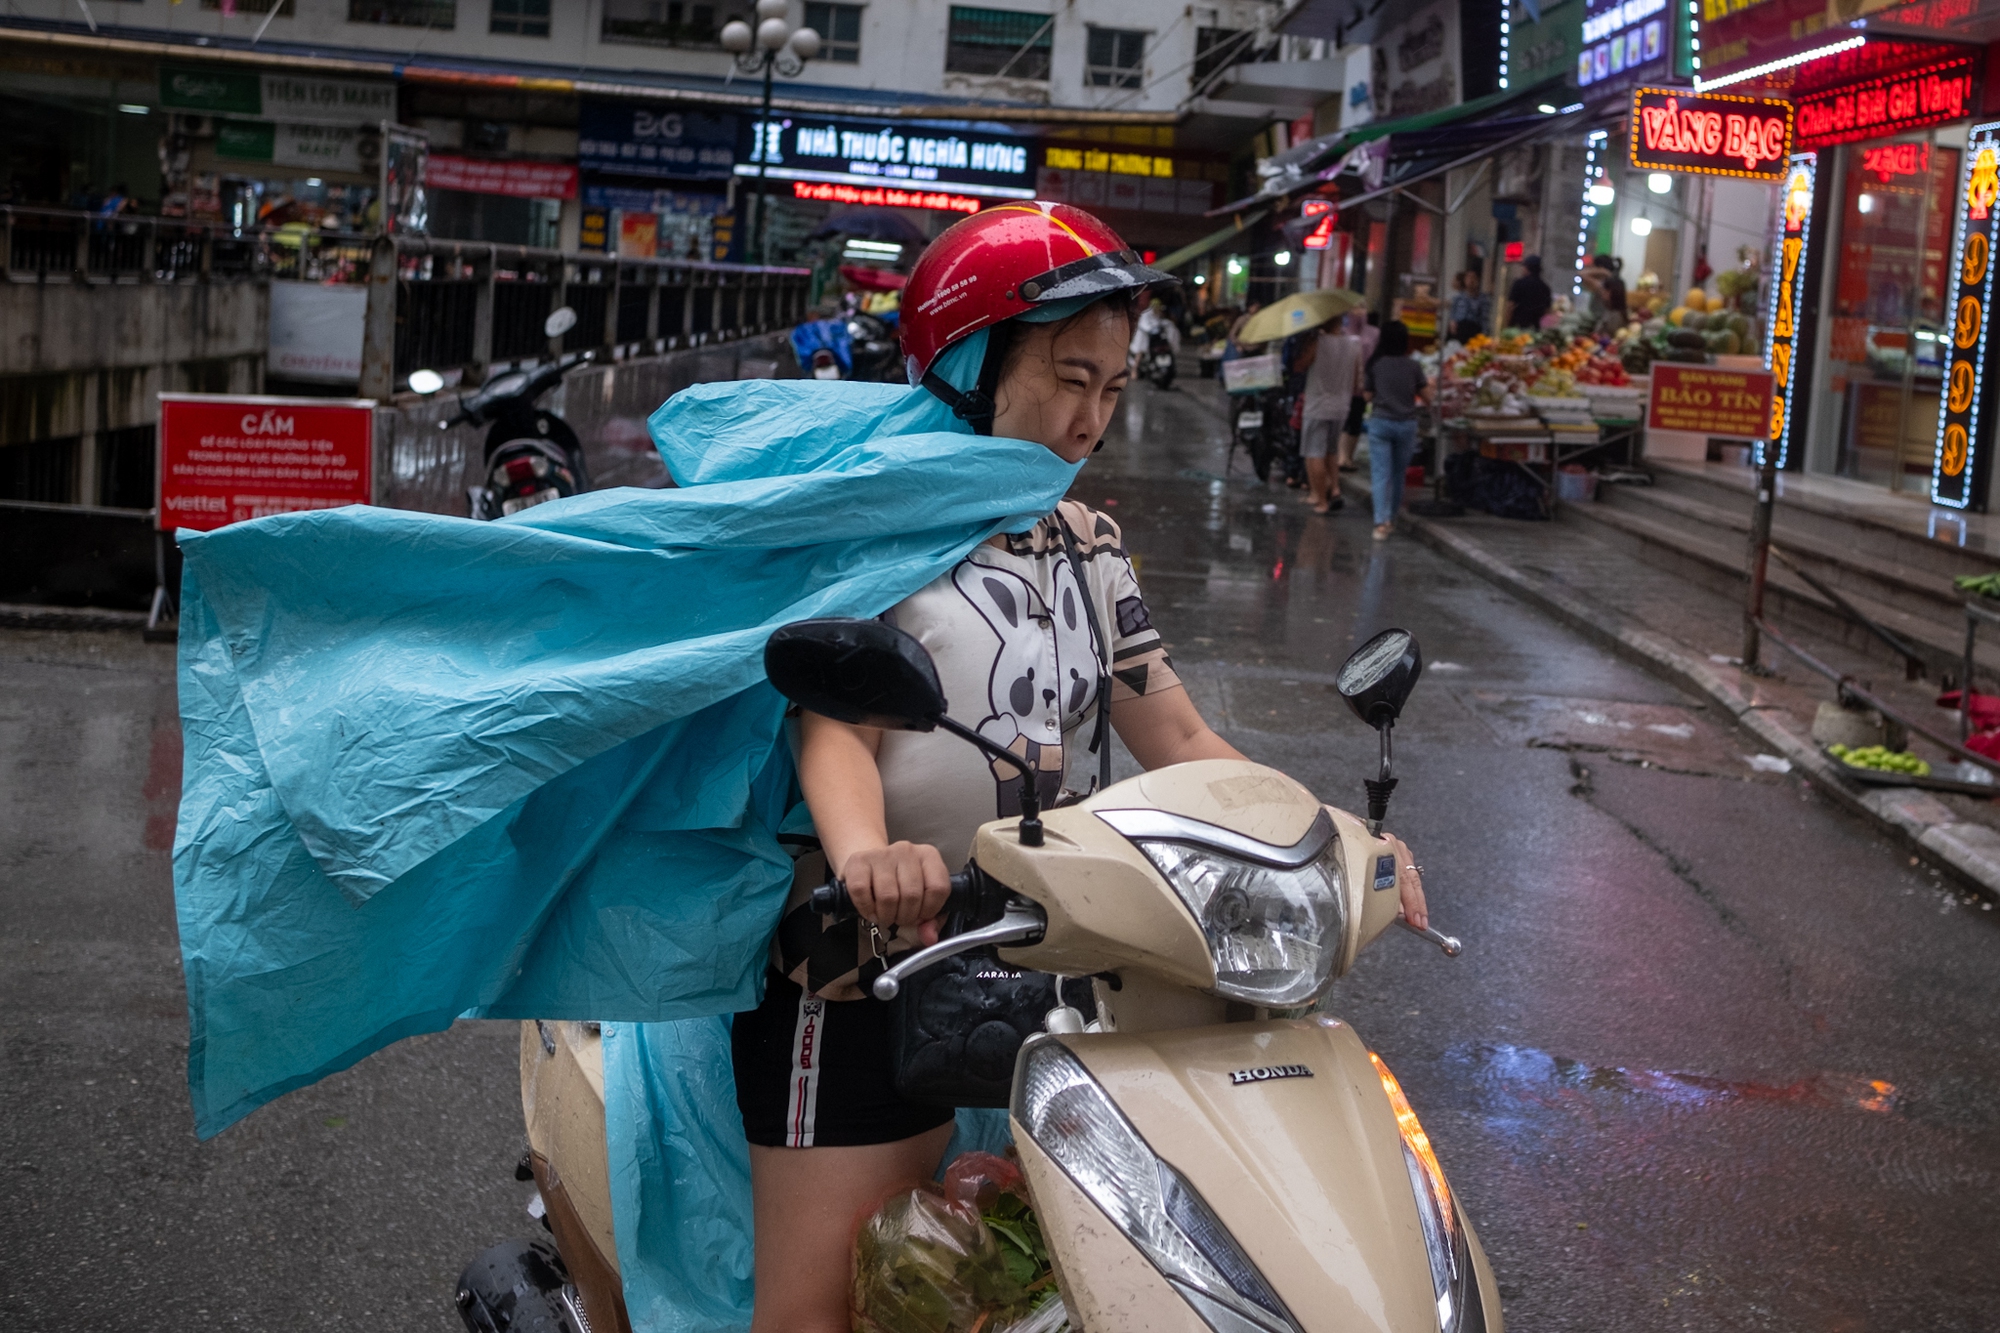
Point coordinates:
[[1716, 1056]]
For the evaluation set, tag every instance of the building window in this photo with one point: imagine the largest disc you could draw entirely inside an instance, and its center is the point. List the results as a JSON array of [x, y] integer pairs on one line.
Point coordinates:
[[839, 29], [1114, 58], [440, 14], [1219, 49], [286, 8], [999, 41], [42, 471], [666, 22], [521, 18]]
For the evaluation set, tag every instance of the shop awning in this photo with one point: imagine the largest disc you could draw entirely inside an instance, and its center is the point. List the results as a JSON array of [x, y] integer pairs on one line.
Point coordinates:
[[1201, 247], [1440, 156], [1306, 166]]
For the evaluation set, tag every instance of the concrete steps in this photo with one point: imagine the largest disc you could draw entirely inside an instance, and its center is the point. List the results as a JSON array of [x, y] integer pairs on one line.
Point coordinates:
[[1696, 524]]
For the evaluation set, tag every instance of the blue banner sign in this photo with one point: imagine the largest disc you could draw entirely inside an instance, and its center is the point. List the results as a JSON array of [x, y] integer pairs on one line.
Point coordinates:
[[635, 139]]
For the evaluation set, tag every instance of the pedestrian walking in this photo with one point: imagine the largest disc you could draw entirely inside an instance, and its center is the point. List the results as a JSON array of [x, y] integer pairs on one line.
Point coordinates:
[[1333, 383], [1369, 331], [1395, 385], [1529, 299]]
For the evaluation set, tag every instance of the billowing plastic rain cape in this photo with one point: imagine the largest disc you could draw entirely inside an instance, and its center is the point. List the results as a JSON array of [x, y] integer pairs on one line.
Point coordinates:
[[531, 768]]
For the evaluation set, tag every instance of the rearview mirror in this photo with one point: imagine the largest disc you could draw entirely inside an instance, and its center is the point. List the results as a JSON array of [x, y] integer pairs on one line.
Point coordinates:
[[560, 321], [1377, 679], [862, 672]]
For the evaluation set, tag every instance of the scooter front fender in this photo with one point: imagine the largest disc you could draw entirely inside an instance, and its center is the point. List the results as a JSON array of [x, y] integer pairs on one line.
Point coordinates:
[[1305, 1169]]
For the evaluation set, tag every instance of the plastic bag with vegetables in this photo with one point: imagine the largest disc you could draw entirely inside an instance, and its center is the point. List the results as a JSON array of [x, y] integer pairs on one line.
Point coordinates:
[[967, 1258]]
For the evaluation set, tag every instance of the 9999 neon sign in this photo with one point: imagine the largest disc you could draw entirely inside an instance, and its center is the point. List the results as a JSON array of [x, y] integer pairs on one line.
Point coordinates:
[[1956, 469], [1788, 298], [1713, 134]]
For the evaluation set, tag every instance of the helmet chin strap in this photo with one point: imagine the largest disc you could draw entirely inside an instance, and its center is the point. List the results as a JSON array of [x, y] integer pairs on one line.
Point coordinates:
[[976, 407]]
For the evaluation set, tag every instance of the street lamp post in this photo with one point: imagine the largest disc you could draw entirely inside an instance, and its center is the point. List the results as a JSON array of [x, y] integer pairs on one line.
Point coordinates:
[[774, 46]]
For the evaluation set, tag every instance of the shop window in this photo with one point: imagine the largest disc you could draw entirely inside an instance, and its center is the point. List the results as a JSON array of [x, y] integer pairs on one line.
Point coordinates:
[[839, 29], [439, 14], [41, 470], [286, 9], [520, 18], [125, 467], [999, 41], [1886, 345], [666, 22], [1114, 58]]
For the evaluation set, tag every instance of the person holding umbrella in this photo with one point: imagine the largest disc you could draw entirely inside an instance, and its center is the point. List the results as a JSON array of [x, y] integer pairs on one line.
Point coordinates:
[[1308, 313]]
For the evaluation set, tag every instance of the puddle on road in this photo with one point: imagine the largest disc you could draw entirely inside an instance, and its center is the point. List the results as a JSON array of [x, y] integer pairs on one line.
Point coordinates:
[[1667, 736], [1526, 1073]]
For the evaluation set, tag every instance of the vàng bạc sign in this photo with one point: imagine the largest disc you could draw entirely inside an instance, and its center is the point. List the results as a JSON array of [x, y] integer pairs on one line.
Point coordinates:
[[1714, 134]]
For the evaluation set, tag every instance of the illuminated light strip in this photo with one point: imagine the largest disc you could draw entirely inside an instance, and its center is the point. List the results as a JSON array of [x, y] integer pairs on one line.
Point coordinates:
[[887, 182], [1979, 168], [1593, 141], [1506, 44], [1788, 289], [1702, 85]]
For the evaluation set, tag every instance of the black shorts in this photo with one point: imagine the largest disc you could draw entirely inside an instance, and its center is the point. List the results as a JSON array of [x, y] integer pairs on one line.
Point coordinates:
[[1354, 411], [817, 1073]]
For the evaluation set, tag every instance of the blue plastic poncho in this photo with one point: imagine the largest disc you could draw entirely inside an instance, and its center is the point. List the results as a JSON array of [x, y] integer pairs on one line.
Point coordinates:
[[531, 768]]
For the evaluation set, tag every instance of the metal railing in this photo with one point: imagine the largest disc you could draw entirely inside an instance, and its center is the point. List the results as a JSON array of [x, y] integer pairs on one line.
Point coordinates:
[[64, 245], [475, 304], [433, 303]]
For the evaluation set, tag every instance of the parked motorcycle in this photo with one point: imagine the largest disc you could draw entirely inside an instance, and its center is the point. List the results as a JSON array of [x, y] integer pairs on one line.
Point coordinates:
[[878, 357], [1158, 363], [1213, 1151], [532, 455]]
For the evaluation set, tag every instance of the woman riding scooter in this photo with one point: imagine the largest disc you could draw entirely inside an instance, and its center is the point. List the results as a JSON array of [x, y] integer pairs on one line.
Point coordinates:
[[1055, 287]]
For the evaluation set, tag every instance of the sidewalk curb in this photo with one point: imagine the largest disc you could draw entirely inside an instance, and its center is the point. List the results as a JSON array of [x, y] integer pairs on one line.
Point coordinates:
[[17, 615], [1915, 818]]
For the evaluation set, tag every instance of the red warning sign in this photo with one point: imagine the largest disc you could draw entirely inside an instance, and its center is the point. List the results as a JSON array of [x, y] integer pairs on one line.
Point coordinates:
[[225, 458]]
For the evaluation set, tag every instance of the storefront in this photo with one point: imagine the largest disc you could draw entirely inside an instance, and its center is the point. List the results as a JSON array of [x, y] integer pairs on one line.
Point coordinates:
[[1862, 239], [1889, 149], [657, 182]]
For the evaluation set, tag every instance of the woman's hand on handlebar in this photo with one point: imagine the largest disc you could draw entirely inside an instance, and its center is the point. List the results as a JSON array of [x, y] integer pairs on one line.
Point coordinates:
[[1409, 884], [903, 884]]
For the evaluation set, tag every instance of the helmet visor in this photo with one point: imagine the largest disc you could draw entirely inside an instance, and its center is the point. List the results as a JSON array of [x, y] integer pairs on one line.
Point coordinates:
[[1095, 275]]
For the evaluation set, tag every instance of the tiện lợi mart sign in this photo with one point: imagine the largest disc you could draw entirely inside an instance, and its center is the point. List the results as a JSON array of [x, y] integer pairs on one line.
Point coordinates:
[[1790, 251], [1713, 134], [225, 458], [1889, 103], [1959, 460]]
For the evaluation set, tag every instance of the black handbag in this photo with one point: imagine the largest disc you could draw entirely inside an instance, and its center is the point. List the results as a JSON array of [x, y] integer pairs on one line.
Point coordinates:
[[960, 1023]]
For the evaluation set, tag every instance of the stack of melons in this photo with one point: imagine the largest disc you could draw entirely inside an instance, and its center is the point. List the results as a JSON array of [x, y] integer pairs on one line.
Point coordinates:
[[1705, 326]]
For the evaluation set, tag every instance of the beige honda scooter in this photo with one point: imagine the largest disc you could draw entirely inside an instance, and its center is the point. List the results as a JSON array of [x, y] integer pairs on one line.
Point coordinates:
[[1211, 1152]]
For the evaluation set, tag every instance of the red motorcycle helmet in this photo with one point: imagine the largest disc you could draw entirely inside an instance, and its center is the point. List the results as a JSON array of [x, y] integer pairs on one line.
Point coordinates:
[[1004, 261]]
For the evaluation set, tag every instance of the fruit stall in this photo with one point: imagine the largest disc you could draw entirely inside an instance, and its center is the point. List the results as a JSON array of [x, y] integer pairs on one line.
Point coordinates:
[[1537, 404]]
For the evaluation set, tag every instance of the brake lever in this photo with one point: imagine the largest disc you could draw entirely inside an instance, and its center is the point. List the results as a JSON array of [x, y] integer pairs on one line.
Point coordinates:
[[1022, 923], [1449, 943]]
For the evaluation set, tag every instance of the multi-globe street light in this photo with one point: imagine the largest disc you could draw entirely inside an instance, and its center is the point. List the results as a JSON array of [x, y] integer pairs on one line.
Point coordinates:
[[773, 46]]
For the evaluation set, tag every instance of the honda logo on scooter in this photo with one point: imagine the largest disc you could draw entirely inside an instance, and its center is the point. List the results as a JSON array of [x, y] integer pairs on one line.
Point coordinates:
[[1264, 1073]]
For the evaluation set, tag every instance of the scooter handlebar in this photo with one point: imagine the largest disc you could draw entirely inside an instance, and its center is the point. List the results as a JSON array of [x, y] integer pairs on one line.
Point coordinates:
[[830, 898]]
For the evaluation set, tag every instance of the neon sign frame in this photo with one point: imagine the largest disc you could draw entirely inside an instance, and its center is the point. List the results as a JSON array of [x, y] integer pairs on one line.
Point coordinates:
[[1791, 251], [1760, 108], [1960, 71], [1956, 462]]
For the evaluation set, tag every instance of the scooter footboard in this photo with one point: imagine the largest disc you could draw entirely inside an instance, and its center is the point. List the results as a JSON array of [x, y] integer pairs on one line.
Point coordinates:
[[1284, 1134]]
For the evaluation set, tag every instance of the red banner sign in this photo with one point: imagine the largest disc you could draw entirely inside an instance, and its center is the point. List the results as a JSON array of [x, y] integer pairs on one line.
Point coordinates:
[[224, 459], [1890, 103], [1733, 404], [1715, 134], [521, 180]]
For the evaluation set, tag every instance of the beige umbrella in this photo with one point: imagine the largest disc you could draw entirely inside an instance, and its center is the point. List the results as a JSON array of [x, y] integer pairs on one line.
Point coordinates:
[[1297, 313]]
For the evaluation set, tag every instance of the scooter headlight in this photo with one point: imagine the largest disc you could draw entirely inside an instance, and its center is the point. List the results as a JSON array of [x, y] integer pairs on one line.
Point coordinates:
[[1070, 1117], [1444, 1238], [1274, 917]]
